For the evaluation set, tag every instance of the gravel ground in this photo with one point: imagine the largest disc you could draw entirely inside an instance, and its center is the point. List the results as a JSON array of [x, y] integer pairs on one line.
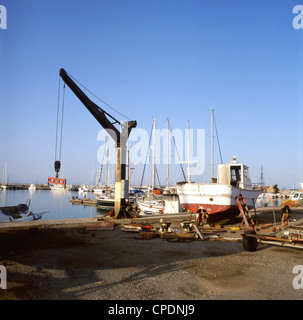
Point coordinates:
[[71, 263]]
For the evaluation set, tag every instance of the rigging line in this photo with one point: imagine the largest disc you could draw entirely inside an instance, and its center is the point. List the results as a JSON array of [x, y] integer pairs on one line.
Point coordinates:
[[177, 152], [218, 139], [101, 169], [146, 157], [157, 173], [62, 121], [58, 104], [101, 101]]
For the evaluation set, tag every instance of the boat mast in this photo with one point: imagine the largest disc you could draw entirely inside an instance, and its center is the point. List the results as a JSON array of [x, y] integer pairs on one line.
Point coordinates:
[[262, 179], [188, 154], [106, 170], [129, 167], [153, 161], [212, 144], [167, 154], [4, 174]]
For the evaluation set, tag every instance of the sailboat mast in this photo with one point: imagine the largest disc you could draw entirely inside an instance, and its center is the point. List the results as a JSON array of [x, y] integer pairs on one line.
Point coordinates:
[[107, 152], [5, 173], [153, 161], [188, 155], [167, 154], [212, 143], [129, 167]]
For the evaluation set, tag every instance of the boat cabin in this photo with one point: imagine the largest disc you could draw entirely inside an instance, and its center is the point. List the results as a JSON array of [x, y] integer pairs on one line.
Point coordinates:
[[297, 196], [234, 174]]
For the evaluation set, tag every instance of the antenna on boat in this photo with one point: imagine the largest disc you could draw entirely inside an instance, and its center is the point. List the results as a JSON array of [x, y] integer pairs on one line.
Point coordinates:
[[214, 126]]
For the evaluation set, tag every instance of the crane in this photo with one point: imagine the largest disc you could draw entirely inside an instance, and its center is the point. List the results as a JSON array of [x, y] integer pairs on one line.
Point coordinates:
[[120, 137]]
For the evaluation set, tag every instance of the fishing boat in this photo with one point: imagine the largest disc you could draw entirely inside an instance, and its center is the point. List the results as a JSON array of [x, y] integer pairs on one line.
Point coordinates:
[[218, 198], [18, 213]]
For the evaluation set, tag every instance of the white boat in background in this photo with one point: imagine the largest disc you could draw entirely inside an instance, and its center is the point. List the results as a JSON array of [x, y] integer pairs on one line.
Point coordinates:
[[61, 187], [151, 206], [59, 184], [57, 187], [105, 203], [301, 185], [32, 187], [219, 198], [297, 196], [85, 188], [99, 191]]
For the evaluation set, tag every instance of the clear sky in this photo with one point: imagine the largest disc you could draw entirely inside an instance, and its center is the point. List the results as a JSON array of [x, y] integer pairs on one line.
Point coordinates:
[[172, 59]]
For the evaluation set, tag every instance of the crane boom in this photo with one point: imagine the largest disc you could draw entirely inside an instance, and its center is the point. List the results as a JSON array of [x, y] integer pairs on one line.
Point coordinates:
[[95, 110], [119, 137]]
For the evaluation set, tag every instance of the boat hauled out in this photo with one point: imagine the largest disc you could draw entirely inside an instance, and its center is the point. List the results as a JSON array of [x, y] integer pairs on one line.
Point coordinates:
[[18, 213], [218, 198]]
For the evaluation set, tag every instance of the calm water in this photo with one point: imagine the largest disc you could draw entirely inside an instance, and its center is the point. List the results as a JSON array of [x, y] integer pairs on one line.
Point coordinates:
[[54, 201], [57, 203]]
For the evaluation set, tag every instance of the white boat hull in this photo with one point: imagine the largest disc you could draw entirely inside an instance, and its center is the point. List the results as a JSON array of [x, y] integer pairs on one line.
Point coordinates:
[[105, 203], [219, 200], [151, 207], [61, 187]]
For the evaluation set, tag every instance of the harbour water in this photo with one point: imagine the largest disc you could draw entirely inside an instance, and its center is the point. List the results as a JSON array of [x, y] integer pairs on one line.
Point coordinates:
[[58, 205], [56, 202]]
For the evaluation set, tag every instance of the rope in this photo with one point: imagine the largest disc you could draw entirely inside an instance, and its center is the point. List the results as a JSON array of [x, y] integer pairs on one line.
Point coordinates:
[[146, 158], [177, 153], [218, 139], [101, 168], [62, 121], [57, 119], [101, 100]]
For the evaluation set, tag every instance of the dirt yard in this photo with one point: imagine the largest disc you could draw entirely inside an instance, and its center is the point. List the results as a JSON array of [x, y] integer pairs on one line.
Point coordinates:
[[70, 262]]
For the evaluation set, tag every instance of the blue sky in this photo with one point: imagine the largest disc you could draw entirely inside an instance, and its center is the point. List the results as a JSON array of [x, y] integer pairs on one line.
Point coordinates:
[[172, 59]]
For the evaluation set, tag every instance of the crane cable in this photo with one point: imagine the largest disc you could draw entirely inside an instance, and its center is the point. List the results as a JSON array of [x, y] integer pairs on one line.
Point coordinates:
[[58, 105], [123, 115], [57, 126]]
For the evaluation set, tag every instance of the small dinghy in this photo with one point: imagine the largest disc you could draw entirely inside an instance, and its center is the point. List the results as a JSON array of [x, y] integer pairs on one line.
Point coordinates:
[[18, 213]]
